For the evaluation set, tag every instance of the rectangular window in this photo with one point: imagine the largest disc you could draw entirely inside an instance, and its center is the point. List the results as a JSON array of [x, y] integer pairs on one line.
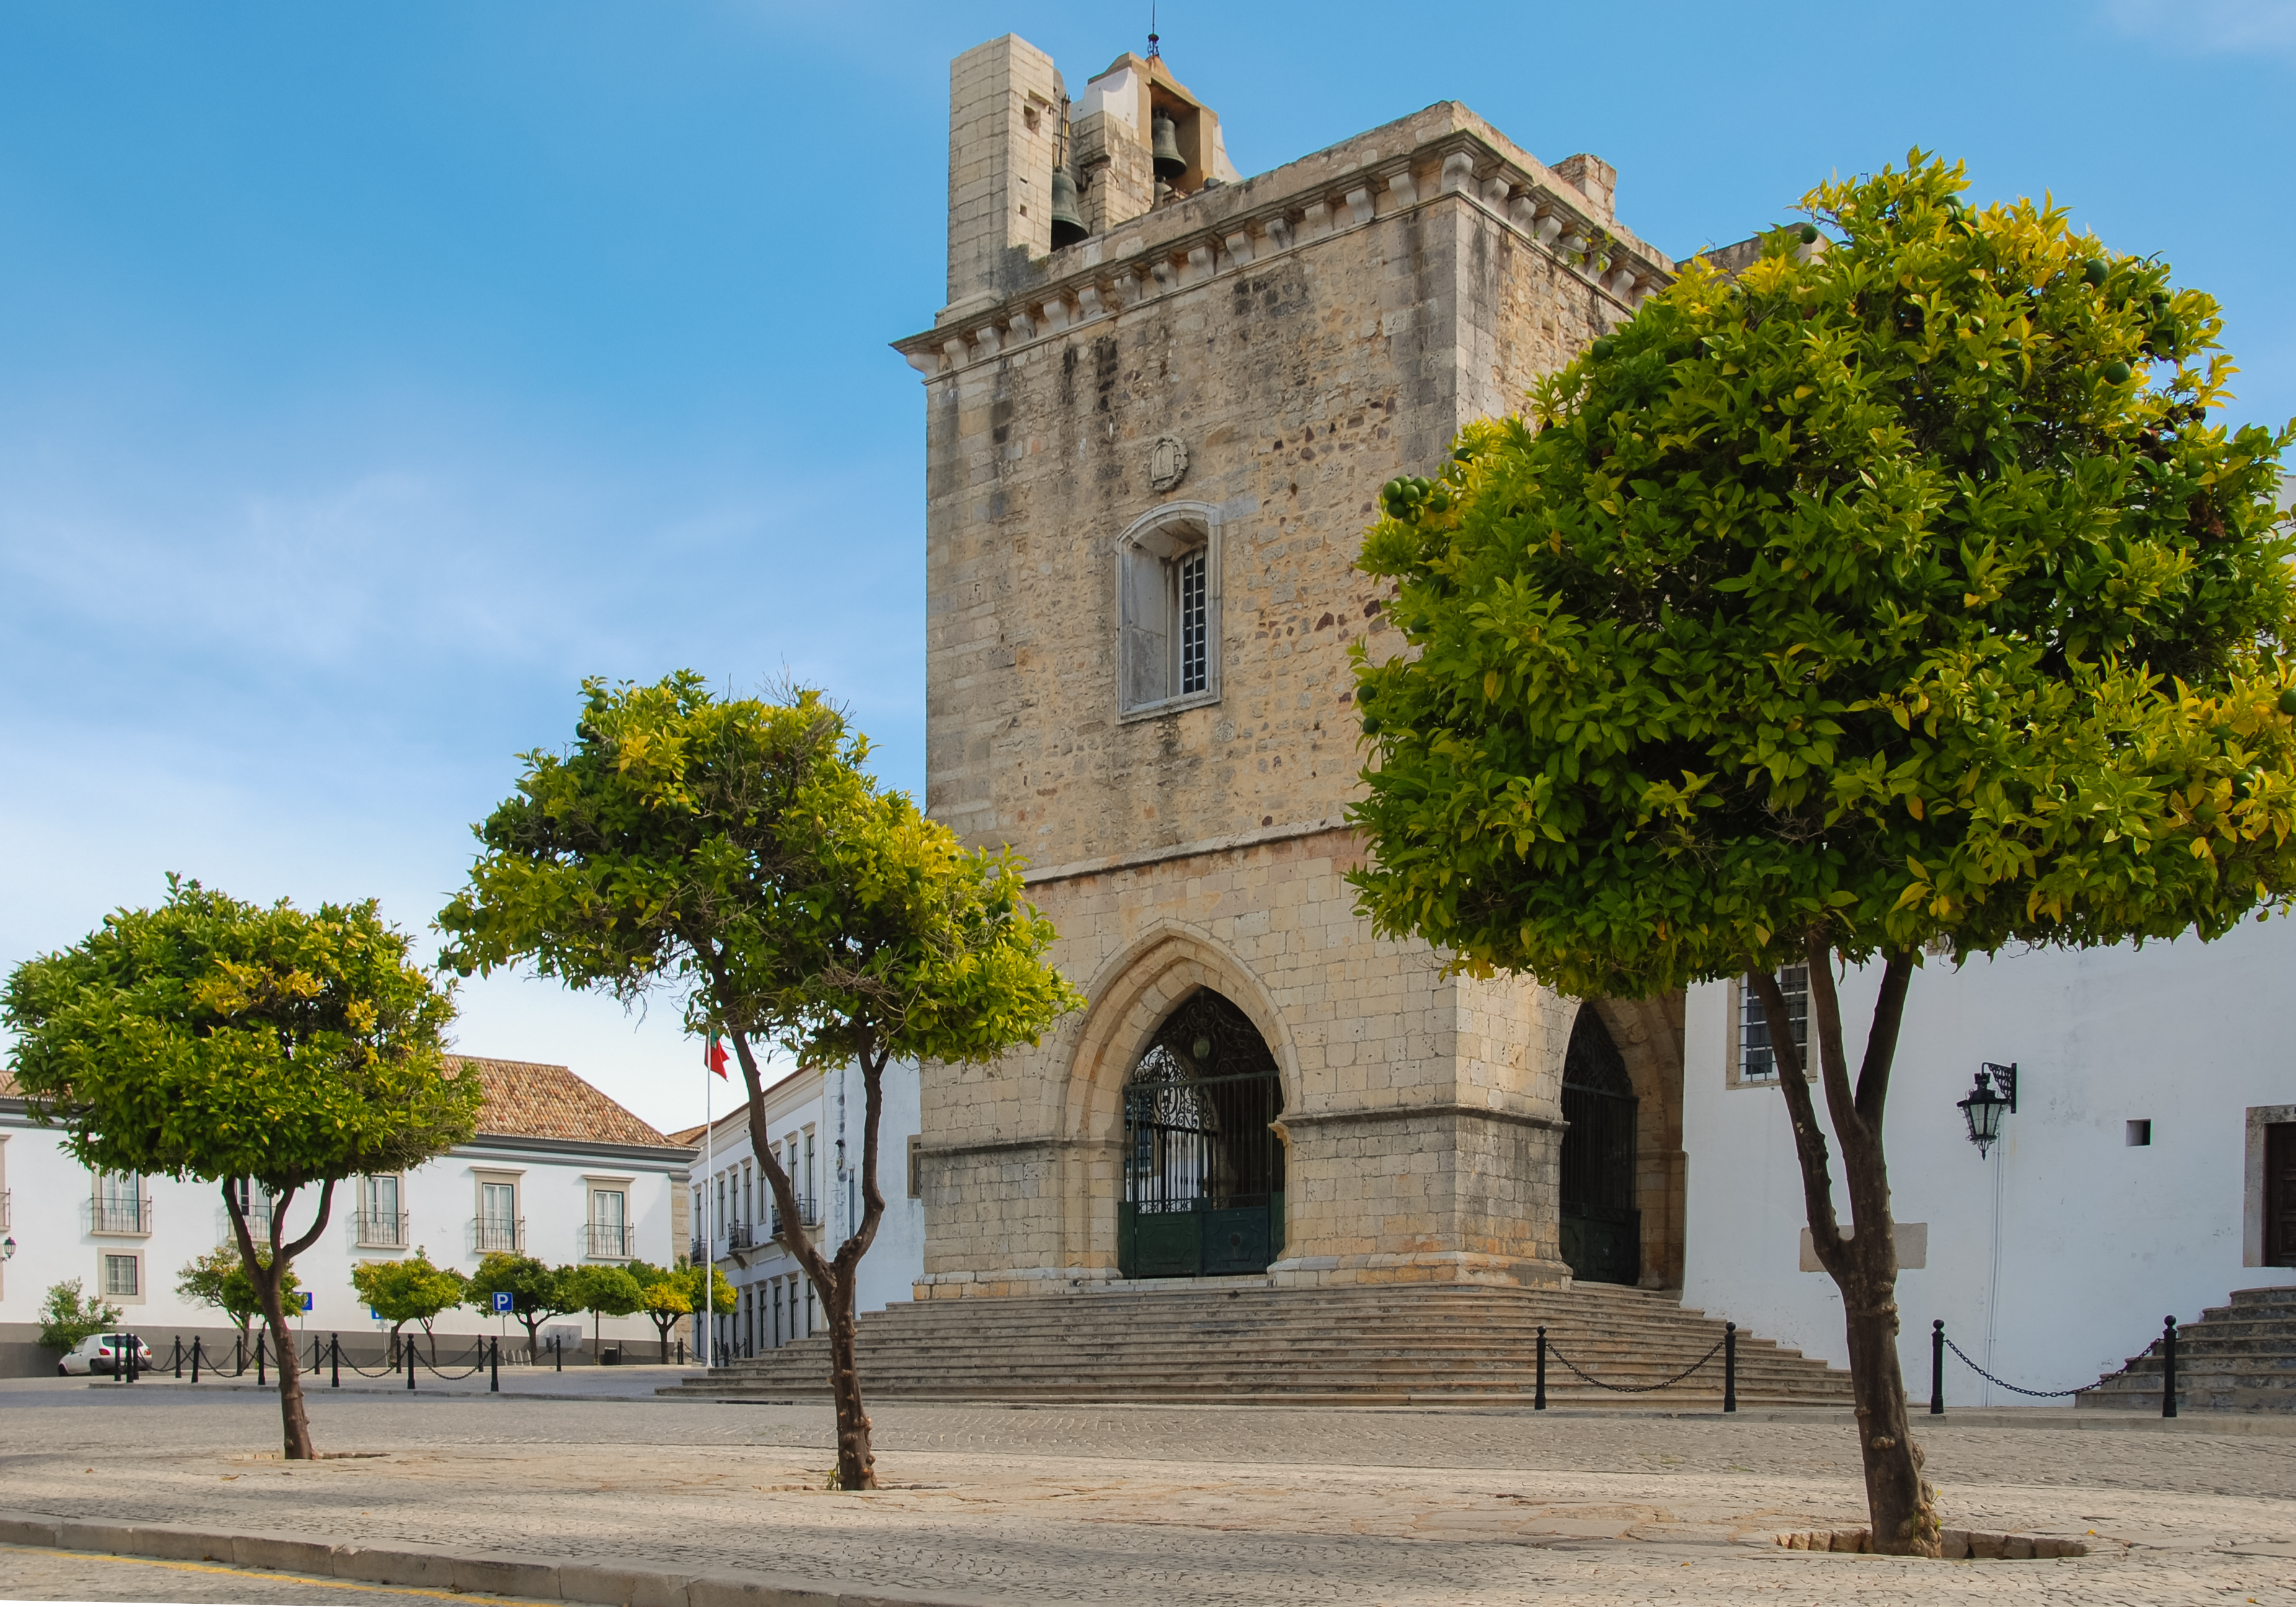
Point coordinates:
[[381, 1225], [916, 1177], [499, 1226], [1168, 606], [120, 1281], [808, 1193], [1193, 623], [777, 1314], [808, 1308], [1756, 1062]]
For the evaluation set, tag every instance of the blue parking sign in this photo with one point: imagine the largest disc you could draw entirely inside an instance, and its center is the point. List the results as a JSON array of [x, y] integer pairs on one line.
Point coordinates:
[[502, 1300], [306, 1299]]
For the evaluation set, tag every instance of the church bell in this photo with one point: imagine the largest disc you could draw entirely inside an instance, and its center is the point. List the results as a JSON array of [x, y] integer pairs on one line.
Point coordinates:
[[1169, 163], [1068, 223]]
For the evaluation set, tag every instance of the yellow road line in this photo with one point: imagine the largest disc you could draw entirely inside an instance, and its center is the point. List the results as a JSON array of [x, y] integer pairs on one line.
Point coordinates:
[[280, 1578]]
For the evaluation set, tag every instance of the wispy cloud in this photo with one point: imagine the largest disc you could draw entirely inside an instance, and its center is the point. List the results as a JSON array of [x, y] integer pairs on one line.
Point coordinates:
[[2210, 27]]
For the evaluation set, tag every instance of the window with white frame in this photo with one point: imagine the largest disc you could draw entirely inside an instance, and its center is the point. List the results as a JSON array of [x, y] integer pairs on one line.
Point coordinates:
[[1169, 598], [380, 1220], [123, 1276], [607, 1234], [1753, 1058], [498, 1225]]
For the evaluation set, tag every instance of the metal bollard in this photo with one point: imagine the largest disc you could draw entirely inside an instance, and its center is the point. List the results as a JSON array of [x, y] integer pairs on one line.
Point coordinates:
[[2168, 1366], [135, 1356], [1937, 1368], [494, 1368], [258, 1362], [558, 1350], [334, 1361], [179, 1356], [195, 1358], [1538, 1400], [1729, 1366], [410, 1362]]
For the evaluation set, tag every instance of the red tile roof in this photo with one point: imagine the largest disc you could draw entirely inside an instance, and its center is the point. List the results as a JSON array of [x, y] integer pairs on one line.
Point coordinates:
[[527, 1100]]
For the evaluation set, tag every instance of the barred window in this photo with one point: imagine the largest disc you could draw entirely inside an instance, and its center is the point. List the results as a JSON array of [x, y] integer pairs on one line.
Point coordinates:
[[1756, 1062], [1192, 622], [121, 1276], [1168, 603]]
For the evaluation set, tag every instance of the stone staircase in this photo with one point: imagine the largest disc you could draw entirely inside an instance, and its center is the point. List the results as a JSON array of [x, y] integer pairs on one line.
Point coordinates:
[[2240, 1357], [1350, 1346]]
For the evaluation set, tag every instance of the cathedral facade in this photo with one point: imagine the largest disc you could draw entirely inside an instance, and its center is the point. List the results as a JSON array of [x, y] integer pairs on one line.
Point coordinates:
[[1161, 401]]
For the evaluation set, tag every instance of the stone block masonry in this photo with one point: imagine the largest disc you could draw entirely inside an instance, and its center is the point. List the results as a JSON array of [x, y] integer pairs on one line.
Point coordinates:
[[1299, 337]]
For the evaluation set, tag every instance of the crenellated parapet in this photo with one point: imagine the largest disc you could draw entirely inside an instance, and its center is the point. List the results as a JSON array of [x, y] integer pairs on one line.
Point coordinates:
[[1445, 156]]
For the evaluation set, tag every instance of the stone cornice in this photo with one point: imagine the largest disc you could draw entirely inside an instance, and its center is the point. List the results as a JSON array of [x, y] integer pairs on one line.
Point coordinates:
[[1185, 851], [1375, 1115], [1418, 162]]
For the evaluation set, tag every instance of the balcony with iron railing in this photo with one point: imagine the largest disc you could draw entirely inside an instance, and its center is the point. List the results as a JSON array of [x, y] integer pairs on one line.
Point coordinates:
[[609, 1241], [741, 1235], [491, 1233], [808, 1216], [118, 1214], [378, 1230], [257, 1213], [697, 1250]]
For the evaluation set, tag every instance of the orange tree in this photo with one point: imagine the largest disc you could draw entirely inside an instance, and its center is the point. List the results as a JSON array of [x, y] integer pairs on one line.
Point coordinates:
[[235, 1042], [736, 851], [1897, 597]]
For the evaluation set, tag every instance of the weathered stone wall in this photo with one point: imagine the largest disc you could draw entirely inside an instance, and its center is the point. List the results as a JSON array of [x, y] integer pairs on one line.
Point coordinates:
[[1306, 335]]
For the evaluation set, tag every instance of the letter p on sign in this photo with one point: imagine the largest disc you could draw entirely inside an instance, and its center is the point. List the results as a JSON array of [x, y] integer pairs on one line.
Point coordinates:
[[502, 1300]]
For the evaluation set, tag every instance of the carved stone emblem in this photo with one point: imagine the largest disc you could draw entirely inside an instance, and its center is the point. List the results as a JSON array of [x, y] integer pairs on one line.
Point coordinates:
[[1167, 463]]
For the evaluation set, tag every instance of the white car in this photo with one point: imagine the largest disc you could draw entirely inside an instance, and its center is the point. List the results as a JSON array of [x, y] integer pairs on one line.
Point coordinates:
[[104, 1352]]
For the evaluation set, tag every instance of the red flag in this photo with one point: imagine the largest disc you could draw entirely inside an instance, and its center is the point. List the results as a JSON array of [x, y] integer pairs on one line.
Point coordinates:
[[714, 1056]]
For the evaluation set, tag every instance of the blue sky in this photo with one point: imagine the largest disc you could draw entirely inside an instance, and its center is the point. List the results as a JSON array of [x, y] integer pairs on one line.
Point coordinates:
[[369, 374]]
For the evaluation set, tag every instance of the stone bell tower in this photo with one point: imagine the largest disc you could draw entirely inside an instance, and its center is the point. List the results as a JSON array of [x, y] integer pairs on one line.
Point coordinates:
[[1151, 457]]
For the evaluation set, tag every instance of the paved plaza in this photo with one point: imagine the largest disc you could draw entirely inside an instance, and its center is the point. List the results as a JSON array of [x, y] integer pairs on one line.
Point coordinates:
[[1147, 1504]]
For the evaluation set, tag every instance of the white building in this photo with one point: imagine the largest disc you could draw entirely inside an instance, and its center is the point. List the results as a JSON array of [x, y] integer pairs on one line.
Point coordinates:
[[557, 1171], [2130, 1184], [813, 1122]]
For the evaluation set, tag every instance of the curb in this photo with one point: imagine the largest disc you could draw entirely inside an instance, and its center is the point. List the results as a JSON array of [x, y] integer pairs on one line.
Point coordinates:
[[424, 1567]]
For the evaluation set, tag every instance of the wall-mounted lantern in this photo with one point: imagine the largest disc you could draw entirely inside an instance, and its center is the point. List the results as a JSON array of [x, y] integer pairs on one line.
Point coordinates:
[[1995, 1092], [8, 1248]]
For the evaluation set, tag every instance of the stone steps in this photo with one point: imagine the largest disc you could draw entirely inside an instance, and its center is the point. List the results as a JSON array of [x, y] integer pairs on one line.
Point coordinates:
[[2240, 1356], [1375, 1344]]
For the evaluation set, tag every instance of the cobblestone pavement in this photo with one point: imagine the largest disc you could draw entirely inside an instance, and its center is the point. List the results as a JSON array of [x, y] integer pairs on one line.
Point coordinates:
[[1216, 1506], [56, 1576]]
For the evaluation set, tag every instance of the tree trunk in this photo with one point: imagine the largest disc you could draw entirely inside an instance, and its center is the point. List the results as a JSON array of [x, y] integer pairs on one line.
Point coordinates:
[[856, 1464], [1900, 1505], [834, 1280], [267, 1280]]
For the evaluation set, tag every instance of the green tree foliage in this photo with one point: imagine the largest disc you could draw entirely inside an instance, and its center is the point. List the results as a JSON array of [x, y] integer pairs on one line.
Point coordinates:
[[736, 851], [1897, 597], [536, 1292], [238, 1043], [412, 1290], [219, 1279], [604, 1290], [66, 1317], [672, 1293]]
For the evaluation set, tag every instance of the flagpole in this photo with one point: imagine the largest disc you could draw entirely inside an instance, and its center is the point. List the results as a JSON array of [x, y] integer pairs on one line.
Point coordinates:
[[708, 1227]]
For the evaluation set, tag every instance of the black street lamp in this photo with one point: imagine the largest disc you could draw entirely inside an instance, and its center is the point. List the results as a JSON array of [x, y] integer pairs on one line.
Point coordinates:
[[1994, 1093]]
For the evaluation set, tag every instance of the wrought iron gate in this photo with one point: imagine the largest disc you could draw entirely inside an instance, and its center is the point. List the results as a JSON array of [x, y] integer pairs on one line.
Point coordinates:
[[1203, 1169], [1602, 1230]]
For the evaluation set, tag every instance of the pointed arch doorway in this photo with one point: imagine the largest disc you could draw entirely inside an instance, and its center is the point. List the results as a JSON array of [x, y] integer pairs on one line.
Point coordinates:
[[1204, 1168], [1601, 1227]]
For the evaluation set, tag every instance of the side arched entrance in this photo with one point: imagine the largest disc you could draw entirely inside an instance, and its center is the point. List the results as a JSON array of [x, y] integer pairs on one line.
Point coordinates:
[[1203, 1165], [1602, 1221]]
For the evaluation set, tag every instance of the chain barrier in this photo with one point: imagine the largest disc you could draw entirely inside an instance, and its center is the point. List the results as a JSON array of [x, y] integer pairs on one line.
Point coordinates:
[[2021, 1389], [472, 1370], [1554, 1350]]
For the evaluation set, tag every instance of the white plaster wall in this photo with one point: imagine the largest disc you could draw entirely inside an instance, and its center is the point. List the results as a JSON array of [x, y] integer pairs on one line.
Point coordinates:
[[2096, 1241], [831, 1104], [49, 1191]]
